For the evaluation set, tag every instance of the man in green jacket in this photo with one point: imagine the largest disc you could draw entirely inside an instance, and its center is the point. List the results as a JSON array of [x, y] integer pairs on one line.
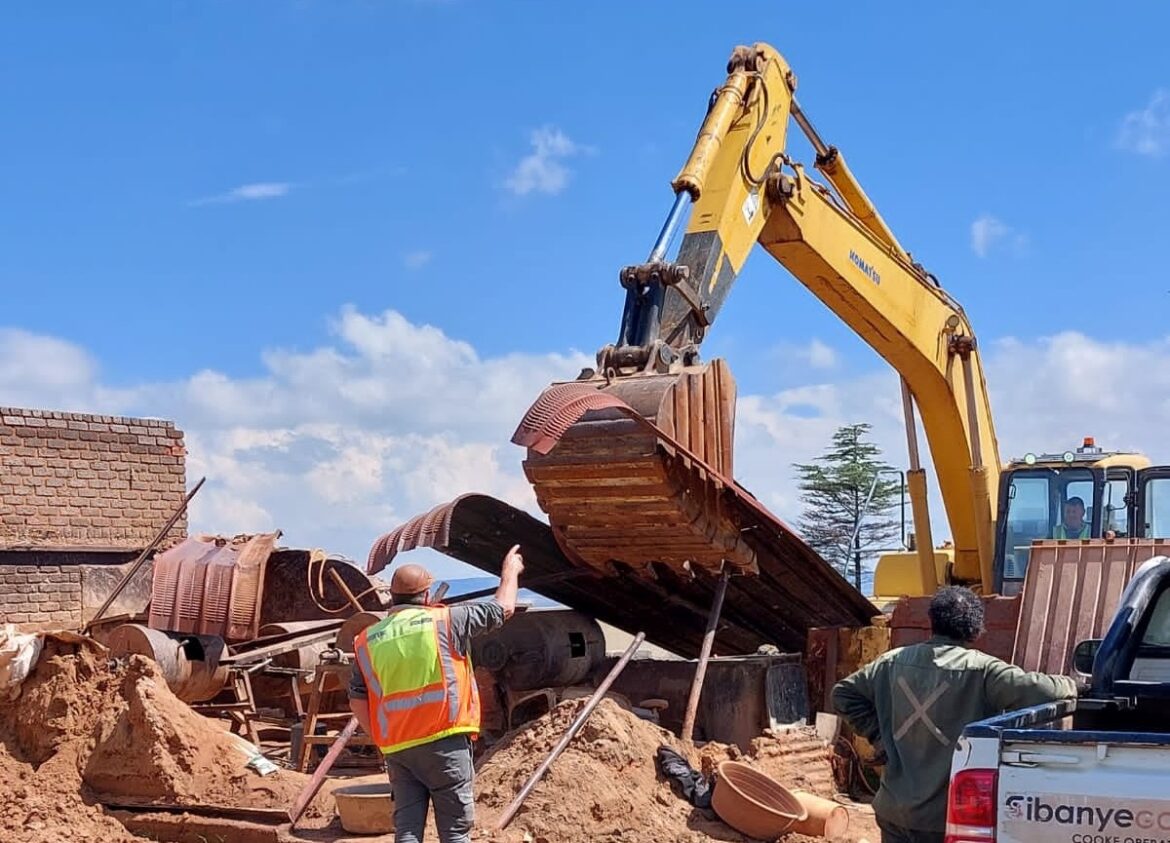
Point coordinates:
[[913, 702]]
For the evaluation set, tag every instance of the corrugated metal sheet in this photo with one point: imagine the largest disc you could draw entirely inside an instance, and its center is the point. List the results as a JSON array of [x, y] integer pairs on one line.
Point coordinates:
[[1071, 591], [793, 591], [211, 586]]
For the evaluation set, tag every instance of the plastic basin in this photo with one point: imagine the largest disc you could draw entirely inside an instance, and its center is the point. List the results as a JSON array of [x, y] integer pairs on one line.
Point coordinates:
[[365, 808], [754, 804]]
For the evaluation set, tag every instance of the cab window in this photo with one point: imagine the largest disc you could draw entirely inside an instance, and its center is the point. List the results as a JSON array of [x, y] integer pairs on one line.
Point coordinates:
[[1157, 505], [1047, 503], [1115, 509], [1027, 520]]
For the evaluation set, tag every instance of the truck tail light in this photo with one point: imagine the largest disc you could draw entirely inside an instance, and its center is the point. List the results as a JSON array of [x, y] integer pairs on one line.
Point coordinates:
[[971, 807]]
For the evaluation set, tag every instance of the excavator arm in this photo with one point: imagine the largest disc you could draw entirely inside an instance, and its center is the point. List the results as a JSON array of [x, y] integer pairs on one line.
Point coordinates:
[[741, 188]]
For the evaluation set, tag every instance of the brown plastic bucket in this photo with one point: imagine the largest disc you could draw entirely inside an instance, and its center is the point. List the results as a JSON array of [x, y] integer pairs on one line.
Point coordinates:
[[826, 818], [365, 808], [754, 804]]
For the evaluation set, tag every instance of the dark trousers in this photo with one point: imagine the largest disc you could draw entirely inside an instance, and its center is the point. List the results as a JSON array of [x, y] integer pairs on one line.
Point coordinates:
[[897, 834], [439, 772]]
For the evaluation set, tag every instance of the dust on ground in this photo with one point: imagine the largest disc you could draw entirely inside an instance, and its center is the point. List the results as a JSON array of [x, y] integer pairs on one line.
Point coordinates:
[[85, 730]]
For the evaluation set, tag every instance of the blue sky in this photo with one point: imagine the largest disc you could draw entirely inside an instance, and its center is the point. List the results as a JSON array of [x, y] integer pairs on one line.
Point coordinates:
[[205, 187]]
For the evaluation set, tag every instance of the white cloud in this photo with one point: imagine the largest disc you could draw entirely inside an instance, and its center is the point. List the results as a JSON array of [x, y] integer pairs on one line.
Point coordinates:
[[333, 445], [988, 231], [819, 356], [1146, 131], [543, 170], [416, 260], [1047, 394], [339, 443], [248, 193]]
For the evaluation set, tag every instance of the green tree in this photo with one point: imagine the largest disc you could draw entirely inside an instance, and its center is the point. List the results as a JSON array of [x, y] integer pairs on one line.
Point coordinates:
[[834, 488]]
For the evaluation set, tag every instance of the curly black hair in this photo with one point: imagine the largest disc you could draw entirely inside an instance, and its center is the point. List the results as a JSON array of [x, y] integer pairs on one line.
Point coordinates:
[[957, 613]]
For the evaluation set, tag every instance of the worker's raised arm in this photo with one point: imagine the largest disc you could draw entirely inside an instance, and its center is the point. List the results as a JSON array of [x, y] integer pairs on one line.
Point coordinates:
[[510, 571], [853, 700], [1009, 687]]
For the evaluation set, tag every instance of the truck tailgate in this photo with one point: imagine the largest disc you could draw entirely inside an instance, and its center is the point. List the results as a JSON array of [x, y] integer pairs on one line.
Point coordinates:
[[1079, 790]]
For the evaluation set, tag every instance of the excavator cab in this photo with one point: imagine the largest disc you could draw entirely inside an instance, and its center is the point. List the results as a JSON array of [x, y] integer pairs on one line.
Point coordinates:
[[1077, 495]]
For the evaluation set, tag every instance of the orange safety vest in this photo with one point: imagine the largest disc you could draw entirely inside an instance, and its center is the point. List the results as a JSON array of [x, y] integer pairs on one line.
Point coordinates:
[[420, 687]]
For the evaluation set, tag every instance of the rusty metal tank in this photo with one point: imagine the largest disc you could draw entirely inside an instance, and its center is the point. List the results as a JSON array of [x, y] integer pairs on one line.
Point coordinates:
[[188, 662], [541, 649]]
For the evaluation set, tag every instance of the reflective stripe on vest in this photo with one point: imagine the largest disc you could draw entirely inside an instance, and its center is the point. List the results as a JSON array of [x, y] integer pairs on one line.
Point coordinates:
[[420, 688]]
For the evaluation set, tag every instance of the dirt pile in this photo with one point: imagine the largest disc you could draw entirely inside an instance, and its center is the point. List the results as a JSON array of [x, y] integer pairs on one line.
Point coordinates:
[[605, 788], [85, 731]]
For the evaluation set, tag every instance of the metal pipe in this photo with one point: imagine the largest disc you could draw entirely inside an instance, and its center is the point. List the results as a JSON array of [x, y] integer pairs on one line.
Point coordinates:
[[806, 126], [688, 728], [318, 779], [141, 560], [340, 583], [648, 317], [727, 105], [911, 426], [916, 480], [673, 220], [919, 505], [972, 412], [510, 812]]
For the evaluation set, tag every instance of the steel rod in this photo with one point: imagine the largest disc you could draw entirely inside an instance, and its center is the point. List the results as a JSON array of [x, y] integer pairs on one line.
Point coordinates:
[[510, 812], [318, 779], [340, 583], [673, 219], [688, 729], [806, 126], [141, 560]]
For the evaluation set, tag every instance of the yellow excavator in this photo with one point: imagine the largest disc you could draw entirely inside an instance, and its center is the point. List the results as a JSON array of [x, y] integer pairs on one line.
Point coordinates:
[[633, 461], [593, 443]]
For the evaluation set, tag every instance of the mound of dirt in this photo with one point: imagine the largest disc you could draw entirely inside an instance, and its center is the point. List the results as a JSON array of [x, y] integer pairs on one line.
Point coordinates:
[[605, 787], [85, 730]]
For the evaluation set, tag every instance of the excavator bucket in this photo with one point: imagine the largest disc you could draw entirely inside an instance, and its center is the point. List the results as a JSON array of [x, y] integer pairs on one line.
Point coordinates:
[[632, 471]]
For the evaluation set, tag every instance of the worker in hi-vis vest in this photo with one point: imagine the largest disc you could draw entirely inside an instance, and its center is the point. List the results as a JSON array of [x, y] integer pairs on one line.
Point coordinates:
[[413, 691], [1073, 525]]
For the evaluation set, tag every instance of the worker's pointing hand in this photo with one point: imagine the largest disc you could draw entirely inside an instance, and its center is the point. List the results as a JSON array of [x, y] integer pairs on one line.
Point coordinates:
[[513, 561]]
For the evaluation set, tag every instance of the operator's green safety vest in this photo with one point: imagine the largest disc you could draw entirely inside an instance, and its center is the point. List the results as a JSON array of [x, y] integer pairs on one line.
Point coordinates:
[[420, 687], [1061, 532]]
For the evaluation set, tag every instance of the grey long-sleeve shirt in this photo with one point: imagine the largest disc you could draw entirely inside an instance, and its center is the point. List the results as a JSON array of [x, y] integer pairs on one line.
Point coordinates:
[[916, 701]]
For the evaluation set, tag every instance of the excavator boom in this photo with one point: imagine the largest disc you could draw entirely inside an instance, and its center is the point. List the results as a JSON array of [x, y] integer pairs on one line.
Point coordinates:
[[743, 189]]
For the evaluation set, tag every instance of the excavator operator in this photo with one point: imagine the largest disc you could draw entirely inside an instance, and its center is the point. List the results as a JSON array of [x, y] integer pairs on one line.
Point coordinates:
[[1073, 525]]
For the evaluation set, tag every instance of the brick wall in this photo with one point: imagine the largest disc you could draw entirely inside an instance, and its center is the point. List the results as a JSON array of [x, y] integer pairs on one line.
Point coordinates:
[[36, 597], [69, 480]]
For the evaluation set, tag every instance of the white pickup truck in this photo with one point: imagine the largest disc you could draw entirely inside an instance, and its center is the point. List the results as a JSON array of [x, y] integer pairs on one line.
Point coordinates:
[[1096, 770]]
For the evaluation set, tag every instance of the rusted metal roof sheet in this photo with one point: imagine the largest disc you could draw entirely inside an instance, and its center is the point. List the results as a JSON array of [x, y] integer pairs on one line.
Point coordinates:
[[210, 585], [794, 590], [1071, 591]]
